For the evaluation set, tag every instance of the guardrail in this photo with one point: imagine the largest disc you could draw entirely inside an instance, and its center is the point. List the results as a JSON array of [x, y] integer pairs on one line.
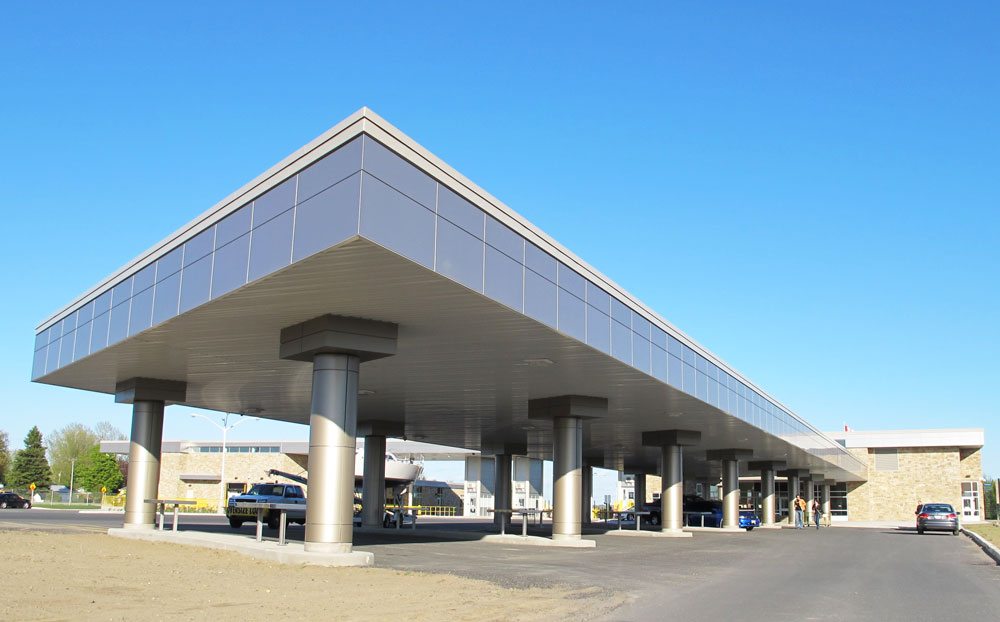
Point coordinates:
[[428, 510], [198, 506]]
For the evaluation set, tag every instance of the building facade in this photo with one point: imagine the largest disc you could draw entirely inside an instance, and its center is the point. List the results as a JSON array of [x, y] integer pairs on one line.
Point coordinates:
[[910, 467]]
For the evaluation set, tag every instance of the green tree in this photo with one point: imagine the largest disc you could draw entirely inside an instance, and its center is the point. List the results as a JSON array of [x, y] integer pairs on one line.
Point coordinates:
[[106, 431], [99, 470], [30, 465], [67, 446], [4, 457]]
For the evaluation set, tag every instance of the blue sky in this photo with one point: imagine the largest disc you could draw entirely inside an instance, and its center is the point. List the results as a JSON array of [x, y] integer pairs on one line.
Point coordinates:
[[810, 192]]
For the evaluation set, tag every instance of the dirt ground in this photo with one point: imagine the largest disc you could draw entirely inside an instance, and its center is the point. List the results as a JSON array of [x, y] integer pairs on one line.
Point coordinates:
[[56, 576]]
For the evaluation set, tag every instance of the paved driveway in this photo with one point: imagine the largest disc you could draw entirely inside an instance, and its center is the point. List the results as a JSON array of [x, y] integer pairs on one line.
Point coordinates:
[[774, 575]]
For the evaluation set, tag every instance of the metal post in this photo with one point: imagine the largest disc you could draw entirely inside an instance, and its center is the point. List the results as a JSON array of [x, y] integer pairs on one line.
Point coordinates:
[[587, 493], [175, 515], [566, 471], [72, 472], [793, 491], [826, 503], [332, 429], [282, 527], [144, 464]]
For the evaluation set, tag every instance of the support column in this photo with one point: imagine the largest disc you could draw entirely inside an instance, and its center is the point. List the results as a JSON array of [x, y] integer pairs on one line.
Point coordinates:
[[731, 494], [502, 491], [730, 483], [809, 495], [373, 482], [143, 464], [768, 504], [148, 397], [375, 433], [567, 485], [588, 493], [567, 414], [827, 483], [639, 488], [671, 443], [336, 346], [332, 429], [793, 476]]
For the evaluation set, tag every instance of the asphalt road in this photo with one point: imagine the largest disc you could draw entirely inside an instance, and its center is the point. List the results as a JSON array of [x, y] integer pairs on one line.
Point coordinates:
[[778, 575]]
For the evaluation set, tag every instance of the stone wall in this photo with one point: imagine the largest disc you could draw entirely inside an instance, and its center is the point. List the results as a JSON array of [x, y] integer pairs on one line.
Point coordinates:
[[924, 474], [241, 468]]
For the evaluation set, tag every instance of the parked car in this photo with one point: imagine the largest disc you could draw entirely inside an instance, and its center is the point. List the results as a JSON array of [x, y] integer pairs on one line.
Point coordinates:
[[937, 517], [267, 493], [10, 500], [749, 520], [708, 513]]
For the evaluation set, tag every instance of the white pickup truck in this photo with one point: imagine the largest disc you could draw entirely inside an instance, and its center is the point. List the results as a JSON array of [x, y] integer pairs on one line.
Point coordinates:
[[267, 493]]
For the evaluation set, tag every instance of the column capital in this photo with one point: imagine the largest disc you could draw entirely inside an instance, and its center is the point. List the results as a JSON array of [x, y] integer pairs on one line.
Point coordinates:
[[335, 334], [380, 428], [579, 406], [733, 453], [150, 390], [661, 438], [765, 465], [828, 482], [800, 473], [499, 448]]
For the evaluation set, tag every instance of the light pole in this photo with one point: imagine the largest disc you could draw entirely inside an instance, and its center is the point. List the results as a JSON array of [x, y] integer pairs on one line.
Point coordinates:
[[72, 471], [225, 427]]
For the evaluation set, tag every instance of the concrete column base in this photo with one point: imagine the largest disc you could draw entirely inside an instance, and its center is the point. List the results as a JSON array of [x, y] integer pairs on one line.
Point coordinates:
[[335, 548], [138, 526], [666, 533]]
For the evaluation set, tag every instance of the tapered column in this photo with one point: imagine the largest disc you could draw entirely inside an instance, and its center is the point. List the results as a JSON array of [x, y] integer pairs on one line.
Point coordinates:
[[148, 397], [502, 493], [586, 513], [373, 482], [671, 443], [332, 429], [567, 413], [143, 464], [768, 501], [335, 346]]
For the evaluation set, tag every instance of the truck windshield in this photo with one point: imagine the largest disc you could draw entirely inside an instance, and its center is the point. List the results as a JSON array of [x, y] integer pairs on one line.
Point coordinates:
[[267, 490]]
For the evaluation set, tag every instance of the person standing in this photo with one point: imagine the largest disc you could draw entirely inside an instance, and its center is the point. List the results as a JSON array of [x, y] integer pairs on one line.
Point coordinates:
[[800, 506], [817, 512]]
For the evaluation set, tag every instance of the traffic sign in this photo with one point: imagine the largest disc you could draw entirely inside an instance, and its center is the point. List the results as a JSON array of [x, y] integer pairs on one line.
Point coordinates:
[[32, 486], [104, 489]]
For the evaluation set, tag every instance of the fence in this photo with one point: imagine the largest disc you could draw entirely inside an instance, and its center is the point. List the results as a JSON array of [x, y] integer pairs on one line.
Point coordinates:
[[55, 498], [429, 510], [201, 506]]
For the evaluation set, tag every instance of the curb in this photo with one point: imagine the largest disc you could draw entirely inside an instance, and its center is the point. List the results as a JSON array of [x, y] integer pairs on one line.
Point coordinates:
[[988, 547]]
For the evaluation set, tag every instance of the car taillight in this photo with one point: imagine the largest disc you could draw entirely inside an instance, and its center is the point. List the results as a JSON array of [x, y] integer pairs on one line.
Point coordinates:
[[952, 516], [925, 515]]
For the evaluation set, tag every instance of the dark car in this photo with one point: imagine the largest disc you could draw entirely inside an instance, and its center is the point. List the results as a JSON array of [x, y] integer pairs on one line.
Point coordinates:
[[10, 500], [937, 517], [698, 512]]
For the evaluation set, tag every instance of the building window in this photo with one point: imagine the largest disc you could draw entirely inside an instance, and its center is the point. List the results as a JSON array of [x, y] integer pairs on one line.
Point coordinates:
[[886, 459]]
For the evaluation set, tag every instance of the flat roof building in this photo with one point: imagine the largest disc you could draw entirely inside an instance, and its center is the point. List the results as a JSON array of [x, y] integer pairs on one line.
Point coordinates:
[[365, 288]]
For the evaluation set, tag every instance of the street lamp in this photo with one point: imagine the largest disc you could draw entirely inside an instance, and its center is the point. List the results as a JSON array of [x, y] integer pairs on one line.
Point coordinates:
[[225, 427]]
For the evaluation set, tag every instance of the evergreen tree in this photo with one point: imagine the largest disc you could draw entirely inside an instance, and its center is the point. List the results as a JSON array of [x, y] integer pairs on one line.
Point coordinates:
[[100, 470], [30, 464], [4, 457]]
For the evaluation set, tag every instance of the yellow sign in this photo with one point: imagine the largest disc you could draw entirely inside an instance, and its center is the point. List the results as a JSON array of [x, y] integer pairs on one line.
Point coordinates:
[[32, 486], [104, 489]]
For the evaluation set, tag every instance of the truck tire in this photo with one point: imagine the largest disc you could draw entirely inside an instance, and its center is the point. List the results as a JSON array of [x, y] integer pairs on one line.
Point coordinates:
[[235, 523], [272, 522]]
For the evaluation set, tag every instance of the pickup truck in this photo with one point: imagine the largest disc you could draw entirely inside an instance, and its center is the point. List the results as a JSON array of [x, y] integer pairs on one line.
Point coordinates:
[[267, 493]]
